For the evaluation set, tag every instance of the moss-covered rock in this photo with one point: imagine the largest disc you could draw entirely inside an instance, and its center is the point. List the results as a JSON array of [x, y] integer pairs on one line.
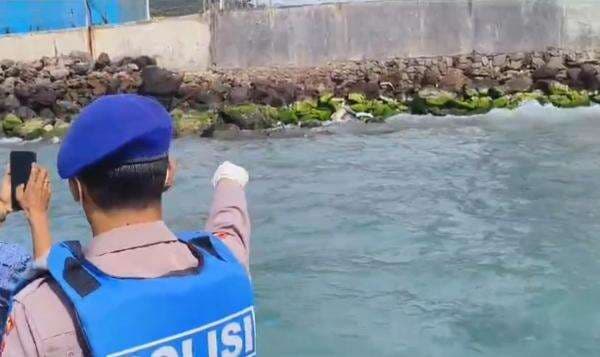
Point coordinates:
[[250, 116], [596, 98], [58, 130], [193, 122], [310, 110], [556, 88], [436, 98], [571, 99], [31, 129], [379, 109], [355, 98], [287, 115], [310, 123], [501, 102], [10, 124], [325, 98], [496, 92], [519, 98], [337, 103]]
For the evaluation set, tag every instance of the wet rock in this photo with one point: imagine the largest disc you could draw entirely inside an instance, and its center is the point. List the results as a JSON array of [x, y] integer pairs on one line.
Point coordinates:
[[227, 132], [193, 122], [436, 98], [10, 123], [309, 110], [250, 116], [501, 102], [58, 130]]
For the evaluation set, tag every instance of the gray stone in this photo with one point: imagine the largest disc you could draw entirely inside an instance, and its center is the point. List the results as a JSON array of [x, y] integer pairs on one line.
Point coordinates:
[[160, 82], [454, 80], [102, 61], [25, 113], [11, 103], [59, 73], [6, 63], [521, 83], [47, 113], [499, 60], [82, 68]]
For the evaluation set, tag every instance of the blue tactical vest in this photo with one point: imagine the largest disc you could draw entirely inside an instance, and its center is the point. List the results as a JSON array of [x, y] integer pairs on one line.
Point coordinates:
[[202, 312]]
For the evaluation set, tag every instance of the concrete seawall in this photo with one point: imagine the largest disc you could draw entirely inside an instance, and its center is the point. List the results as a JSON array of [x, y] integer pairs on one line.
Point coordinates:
[[313, 35]]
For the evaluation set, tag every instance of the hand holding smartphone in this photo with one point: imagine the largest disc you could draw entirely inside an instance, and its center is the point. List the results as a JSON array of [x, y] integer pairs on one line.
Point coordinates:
[[20, 169]]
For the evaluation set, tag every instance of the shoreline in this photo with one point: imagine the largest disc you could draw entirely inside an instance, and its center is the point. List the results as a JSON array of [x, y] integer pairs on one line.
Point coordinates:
[[40, 99]]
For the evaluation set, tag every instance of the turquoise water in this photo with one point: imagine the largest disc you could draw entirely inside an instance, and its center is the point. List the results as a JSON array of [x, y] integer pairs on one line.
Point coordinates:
[[423, 237]]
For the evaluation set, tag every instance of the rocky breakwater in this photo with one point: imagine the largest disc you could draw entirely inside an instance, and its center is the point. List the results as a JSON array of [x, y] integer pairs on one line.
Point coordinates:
[[41, 98]]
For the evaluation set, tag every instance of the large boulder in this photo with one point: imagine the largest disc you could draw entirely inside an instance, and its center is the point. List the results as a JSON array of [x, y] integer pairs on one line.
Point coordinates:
[[551, 69], [518, 83], [455, 80], [193, 122], [160, 83], [59, 73], [41, 97], [102, 61], [590, 76], [250, 116]]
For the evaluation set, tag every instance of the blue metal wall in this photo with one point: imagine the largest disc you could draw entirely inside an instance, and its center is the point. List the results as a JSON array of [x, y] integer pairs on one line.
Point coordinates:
[[21, 16]]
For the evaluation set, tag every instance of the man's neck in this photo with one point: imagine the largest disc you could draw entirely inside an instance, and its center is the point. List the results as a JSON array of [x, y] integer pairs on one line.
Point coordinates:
[[104, 221]]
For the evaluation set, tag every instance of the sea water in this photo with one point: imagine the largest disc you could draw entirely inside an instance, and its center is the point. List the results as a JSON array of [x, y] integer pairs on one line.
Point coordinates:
[[425, 236]]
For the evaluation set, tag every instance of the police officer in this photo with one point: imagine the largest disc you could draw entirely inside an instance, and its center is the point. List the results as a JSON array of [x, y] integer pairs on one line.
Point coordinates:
[[138, 289]]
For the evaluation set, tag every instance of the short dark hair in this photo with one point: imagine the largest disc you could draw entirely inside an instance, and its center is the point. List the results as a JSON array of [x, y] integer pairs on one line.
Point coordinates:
[[127, 186]]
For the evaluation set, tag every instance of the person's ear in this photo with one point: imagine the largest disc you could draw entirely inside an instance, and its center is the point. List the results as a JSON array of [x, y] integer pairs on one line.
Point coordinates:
[[170, 178], [76, 189]]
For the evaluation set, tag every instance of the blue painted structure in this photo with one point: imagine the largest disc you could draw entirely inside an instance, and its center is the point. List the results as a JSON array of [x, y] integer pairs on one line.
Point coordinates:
[[22, 16]]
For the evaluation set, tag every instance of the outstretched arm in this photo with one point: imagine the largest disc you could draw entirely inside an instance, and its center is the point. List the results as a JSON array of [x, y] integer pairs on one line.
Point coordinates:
[[229, 218]]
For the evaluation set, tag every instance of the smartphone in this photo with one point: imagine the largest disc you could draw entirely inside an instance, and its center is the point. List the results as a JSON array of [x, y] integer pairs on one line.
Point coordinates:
[[20, 169]]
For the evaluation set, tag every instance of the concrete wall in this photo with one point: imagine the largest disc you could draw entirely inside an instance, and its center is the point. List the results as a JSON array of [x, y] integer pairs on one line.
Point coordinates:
[[310, 35], [180, 43], [31, 47]]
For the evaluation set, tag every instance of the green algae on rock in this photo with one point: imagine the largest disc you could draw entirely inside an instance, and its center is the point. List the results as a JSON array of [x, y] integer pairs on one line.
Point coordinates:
[[31, 129], [10, 123], [193, 122], [250, 116]]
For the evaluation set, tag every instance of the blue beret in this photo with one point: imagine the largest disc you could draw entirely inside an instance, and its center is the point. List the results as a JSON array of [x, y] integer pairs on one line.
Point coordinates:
[[115, 129]]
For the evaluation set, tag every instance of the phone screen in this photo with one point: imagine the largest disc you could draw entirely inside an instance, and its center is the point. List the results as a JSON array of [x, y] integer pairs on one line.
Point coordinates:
[[20, 169]]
